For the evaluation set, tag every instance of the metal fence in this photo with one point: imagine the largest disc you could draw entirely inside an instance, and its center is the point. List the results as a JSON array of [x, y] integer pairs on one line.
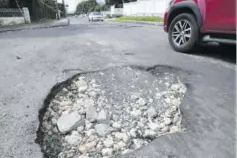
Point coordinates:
[[9, 12], [44, 10], [39, 9]]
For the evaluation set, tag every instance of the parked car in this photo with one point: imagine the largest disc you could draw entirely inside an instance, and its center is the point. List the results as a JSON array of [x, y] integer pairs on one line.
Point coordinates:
[[191, 22], [95, 16]]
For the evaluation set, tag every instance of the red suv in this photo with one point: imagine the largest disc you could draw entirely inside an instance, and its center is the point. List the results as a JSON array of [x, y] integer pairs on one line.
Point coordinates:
[[189, 22]]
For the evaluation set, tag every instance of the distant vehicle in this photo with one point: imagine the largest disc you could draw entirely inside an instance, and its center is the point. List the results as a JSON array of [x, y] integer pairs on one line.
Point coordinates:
[[95, 16], [191, 22]]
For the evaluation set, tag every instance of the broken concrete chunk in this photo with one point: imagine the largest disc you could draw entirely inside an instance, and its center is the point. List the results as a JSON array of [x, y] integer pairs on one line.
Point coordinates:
[[91, 114], [103, 129], [141, 102], [82, 86], [107, 152], [102, 116], [73, 139], [151, 112], [69, 122]]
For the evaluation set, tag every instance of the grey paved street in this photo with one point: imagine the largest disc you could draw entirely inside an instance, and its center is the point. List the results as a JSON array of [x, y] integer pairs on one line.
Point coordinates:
[[33, 61]]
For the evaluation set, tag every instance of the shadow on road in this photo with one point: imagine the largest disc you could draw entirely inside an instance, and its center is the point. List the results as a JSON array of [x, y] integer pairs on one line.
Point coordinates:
[[224, 53]]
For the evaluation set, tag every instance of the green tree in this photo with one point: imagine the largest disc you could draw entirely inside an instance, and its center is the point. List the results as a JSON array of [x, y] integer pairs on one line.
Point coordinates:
[[97, 8], [86, 7], [105, 7], [118, 3]]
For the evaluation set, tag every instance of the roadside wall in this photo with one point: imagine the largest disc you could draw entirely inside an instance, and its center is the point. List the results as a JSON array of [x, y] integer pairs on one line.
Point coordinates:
[[145, 8], [14, 16], [116, 11], [11, 20], [106, 13]]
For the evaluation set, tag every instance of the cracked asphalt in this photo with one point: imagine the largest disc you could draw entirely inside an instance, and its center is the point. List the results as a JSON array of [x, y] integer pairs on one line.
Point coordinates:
[[33, 61]]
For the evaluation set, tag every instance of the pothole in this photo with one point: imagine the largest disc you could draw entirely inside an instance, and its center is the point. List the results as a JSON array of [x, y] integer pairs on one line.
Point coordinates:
[[110, 113], [129, 54]]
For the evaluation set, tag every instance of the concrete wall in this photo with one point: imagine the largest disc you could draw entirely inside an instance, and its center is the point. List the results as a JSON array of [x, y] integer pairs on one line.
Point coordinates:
[[11, 20], [145, 8], [106, 13], [116, 11], [26, 15], [15, 17]]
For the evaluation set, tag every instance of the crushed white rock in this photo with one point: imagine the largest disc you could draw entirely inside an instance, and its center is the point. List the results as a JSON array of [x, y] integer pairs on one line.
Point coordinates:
[[90, 124], [68, 122]]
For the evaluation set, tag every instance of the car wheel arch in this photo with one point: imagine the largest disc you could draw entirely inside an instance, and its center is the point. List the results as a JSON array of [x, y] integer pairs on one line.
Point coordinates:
[[192, 40], [184, 7]]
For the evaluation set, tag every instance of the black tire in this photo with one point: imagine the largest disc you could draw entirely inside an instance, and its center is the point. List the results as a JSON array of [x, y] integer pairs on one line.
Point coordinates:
[[193, 40]]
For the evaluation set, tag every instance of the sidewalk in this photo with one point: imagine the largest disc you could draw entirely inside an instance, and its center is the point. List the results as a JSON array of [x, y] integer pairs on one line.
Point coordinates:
[[49, 24], [137, 22]]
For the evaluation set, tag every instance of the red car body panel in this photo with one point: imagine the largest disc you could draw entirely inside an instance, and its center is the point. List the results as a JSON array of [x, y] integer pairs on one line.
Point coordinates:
[[165, 21], [218, 16]]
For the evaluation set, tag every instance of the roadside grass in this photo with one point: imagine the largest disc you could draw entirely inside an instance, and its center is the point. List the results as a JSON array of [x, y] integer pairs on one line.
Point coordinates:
[[140, 18], [108, 17]]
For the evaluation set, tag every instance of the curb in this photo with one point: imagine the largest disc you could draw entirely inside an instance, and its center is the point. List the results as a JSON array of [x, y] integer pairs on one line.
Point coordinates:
[[139, 22], [39, 26]]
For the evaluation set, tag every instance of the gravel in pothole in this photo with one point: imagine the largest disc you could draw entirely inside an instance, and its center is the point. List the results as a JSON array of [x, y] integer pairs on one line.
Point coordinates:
[[110, 113]]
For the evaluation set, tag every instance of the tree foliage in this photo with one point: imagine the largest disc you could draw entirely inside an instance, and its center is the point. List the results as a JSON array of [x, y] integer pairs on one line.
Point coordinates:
[[105, 7], [118, 3], [86, 7], [91, 5]]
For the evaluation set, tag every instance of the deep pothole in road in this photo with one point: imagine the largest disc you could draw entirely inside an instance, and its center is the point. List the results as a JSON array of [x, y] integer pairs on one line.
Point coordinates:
[[110, 113]]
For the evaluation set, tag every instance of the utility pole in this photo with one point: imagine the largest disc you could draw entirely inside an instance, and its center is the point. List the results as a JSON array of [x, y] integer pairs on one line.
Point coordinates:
[[64, 9], [57, 10]]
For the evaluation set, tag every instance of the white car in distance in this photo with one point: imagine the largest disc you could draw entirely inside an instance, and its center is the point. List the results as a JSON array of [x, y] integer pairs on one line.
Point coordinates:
[[95, 16]]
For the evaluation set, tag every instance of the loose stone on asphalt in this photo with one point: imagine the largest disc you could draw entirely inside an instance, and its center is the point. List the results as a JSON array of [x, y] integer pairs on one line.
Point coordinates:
[[68, 122], [103, 129], [110, 113]]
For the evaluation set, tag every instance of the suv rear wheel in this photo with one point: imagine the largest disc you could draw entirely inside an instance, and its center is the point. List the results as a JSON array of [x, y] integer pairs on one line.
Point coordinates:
[[183, 33]]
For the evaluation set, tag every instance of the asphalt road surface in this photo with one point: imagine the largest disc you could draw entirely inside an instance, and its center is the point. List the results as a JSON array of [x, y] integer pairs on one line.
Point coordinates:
[[33, 61]]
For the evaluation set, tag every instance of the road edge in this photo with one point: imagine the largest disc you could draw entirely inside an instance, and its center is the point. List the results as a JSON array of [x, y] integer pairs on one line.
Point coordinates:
[[60, 23], [138, 22]]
